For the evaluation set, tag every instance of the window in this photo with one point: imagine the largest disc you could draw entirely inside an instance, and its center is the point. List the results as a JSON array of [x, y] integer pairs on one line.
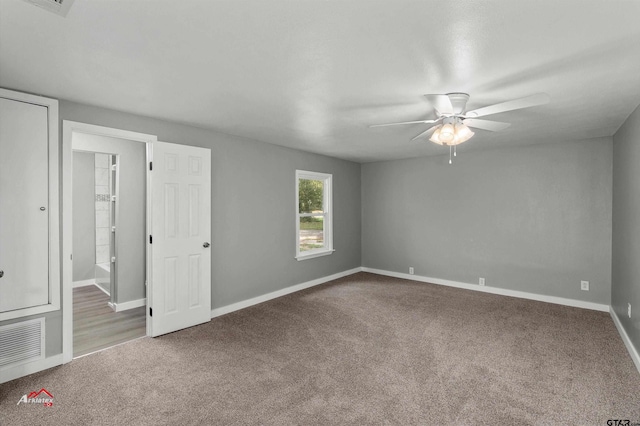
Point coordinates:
[[314, 231]]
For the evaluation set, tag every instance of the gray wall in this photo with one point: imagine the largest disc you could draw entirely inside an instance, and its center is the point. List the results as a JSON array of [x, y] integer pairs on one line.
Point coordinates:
[[84, 232], [131, 218], [253, 216], [625, 286], [253, 205], [534, 219]]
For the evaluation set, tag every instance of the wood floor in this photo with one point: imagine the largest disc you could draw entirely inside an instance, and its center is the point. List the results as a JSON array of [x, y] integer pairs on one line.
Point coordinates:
[[96, 326]]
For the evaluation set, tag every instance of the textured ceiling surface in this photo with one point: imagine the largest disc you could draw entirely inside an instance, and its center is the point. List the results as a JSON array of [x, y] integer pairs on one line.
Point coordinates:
[[313, 75]]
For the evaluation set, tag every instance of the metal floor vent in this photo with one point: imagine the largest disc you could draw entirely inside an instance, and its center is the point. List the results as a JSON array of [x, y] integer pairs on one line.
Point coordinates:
[[59, 7], [21, 342]]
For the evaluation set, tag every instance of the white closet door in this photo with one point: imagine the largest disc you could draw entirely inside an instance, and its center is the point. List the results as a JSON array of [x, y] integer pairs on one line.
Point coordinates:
[[180, 290], [24, 206]]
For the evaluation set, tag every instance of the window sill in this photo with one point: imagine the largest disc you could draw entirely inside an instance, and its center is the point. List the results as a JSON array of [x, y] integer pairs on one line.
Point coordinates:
[[314, 254]]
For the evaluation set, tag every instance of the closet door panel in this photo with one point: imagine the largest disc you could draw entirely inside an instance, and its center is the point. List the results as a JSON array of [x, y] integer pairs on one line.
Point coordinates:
[[24, 209]]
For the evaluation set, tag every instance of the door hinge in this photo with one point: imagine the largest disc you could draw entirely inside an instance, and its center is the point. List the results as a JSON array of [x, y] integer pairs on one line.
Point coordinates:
[[150, 239], [150, 312], [150, 165]]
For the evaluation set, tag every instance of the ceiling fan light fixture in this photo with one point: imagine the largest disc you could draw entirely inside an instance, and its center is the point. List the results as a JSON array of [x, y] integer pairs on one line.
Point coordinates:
[[463, 133], [451, 134], [435, 137], [447, 133], [449, 128]]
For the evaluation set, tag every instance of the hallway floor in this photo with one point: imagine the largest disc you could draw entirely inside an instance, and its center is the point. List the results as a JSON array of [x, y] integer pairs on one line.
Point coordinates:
[[96, 326]]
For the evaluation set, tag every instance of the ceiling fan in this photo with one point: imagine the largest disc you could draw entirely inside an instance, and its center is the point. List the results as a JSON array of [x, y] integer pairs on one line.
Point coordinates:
[[453, 122]]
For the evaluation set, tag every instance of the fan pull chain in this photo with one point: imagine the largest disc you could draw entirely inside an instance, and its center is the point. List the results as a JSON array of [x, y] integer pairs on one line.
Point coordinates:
[[449, 154], [454, 150]]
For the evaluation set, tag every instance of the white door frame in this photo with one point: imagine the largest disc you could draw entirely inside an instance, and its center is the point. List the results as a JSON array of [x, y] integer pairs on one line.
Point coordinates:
[[68, 128]]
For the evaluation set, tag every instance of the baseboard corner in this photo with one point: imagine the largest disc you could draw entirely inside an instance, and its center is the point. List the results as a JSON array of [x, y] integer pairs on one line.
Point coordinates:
[[132, 304], [493, 290], [216, 312], [633, 352], [84, 283]]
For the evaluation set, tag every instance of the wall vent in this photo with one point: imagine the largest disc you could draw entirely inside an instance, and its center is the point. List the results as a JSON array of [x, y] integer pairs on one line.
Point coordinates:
[[59, 7], [21, 342]]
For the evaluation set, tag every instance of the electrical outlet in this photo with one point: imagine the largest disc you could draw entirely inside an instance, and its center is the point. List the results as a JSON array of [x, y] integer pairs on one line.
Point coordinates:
[[481, 281], [584, 285], [629, 310], [411, 270]]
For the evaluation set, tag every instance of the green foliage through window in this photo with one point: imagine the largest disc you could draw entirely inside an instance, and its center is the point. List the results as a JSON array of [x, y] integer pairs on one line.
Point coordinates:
[[310, 195]]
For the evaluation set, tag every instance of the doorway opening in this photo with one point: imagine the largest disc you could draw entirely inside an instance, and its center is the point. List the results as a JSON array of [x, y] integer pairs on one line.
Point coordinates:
[[107, 274], [171, 270], [108, 309]]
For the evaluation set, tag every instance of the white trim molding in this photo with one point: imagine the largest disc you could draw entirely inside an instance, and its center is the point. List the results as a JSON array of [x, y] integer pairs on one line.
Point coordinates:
[[326, 214], [102, 290], [633, 352], [92, 281], [119, 307], [25, 369], [486, 289], [314, 255], [279, 293], [494, 290], [68, 129], [84, 283]]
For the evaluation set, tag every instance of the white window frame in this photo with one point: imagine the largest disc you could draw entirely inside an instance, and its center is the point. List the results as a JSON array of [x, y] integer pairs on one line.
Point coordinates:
[[327, 206]]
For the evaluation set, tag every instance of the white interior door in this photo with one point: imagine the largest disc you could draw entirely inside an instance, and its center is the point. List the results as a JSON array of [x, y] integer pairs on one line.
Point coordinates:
[[180, 281]]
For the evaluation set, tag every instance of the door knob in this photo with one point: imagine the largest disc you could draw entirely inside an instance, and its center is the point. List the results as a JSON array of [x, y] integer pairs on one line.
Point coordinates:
[[206, 245], [1, 274]]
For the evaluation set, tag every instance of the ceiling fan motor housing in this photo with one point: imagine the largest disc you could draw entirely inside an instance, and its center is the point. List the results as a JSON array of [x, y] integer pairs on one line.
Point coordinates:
[[458, 101]]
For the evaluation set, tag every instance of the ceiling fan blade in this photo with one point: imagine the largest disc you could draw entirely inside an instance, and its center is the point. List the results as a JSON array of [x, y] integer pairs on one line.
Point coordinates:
[[493, 126], [404, 122], [529, 101], [430, 129], [441, 103]]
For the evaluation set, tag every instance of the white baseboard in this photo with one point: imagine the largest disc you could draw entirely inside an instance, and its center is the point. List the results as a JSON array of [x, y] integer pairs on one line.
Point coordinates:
[[279, 293], [84, 283], [92, 281], [103, 290], [625, 338], [119, 307], [494, 290], [25, 369]]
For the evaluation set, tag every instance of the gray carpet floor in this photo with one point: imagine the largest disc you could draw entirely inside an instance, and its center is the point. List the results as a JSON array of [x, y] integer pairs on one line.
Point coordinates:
[[364, 349]]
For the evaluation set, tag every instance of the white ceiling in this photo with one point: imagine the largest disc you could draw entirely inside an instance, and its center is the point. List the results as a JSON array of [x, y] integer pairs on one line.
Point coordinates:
[[313, 74]]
